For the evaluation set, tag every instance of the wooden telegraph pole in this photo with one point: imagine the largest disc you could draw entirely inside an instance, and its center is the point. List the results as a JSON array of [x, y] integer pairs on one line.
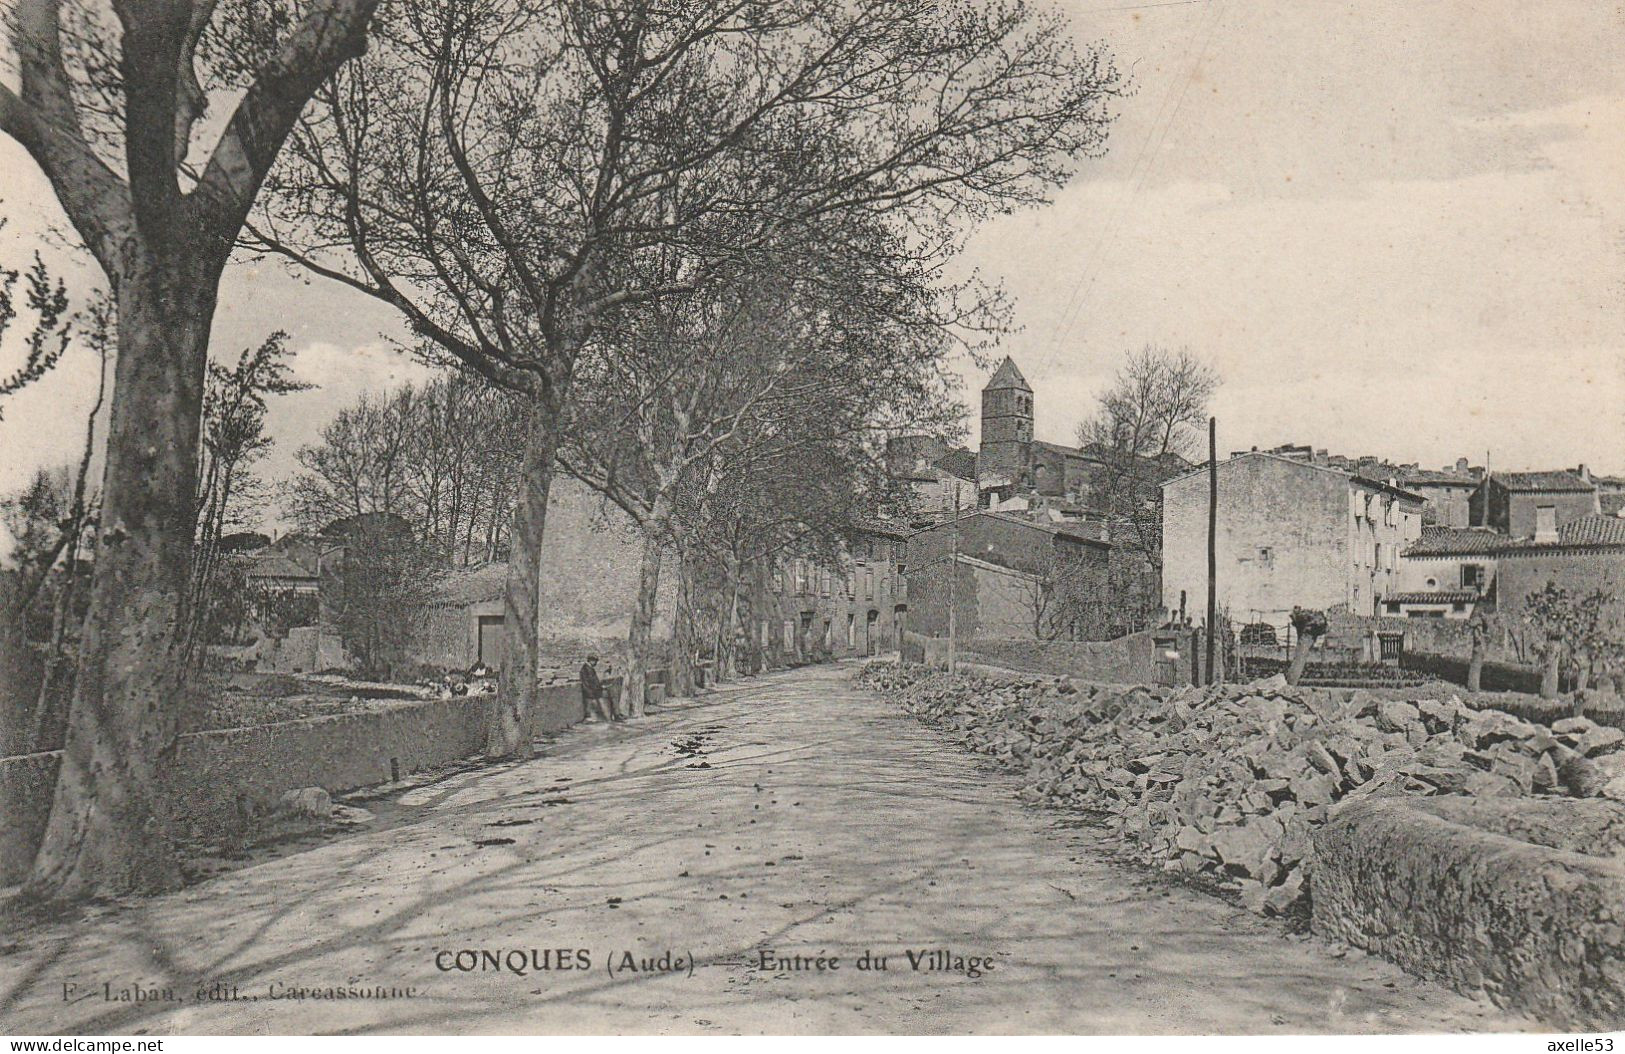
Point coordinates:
[[1212, 543], [953, 589]]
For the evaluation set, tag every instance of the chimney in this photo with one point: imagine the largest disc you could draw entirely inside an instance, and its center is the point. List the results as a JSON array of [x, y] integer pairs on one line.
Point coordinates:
[[1461, 464], [1583, 472]]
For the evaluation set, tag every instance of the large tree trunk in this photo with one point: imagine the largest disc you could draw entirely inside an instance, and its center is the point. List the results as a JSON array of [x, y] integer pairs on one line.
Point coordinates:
[[681, 683], [643, 619], [509, 734], [109, 830], [728, 632], [1300, 658], [1475, 662]]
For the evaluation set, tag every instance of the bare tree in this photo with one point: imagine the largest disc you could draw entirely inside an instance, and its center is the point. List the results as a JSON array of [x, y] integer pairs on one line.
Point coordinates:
[[1067, 598], [497, 170], [1143, 429], [234, 438], [1309, 625], [48, 332], [801, 350], [360, 466], [444, 456]]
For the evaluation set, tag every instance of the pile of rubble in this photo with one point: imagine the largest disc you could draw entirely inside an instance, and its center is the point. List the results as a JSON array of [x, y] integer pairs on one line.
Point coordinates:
[[1226, 784]]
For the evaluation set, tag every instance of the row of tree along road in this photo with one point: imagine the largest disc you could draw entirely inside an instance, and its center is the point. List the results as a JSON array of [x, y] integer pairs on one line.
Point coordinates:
[[702, 247]]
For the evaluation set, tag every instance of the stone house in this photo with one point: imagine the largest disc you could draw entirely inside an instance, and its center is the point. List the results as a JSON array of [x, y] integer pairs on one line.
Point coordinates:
[[1587, 555], [1290, 533], [1447, 494], [1446, 572], [1533, 504], [1001, 571], [806, 610], [941, 479]]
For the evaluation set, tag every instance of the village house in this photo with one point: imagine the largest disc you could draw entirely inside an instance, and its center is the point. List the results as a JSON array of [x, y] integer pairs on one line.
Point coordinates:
[[1533, 504], [1008, 577], [941, 479], [804, 610], [1290, 534], [1446, 573], [1447, 493], [1585, 555]]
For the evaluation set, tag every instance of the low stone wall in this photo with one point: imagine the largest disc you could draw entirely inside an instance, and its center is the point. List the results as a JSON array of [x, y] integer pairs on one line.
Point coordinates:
[[224, 775], [1126, 660], [1540, 930]]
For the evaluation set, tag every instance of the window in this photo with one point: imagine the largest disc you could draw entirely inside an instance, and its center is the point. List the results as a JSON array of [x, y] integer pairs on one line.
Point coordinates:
[[1433, 583], [851, 584], [1545, 521], [869, 584], [825, 583], [778, 584], [1472, 577], [829, 635], [789, 635], [851, 631]]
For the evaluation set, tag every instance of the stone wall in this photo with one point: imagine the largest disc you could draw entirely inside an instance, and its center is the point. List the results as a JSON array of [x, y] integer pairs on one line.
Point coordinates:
[[1126, 660], [1539, 929], [226, 775]]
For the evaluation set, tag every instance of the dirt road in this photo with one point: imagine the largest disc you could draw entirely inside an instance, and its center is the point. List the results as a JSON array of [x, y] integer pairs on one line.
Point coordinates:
[[792, 815]]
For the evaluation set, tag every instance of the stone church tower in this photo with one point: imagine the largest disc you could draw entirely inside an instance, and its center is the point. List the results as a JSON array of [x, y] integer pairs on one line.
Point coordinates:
[[1007, 425]]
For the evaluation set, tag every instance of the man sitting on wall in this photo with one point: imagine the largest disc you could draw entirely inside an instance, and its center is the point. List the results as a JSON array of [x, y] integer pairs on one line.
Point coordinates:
[[594, 696]]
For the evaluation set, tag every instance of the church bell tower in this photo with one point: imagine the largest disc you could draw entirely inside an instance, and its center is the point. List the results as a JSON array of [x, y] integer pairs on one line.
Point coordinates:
[[1007, 425]]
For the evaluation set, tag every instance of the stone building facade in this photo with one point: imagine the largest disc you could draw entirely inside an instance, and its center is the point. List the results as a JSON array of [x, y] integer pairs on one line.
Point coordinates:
[[1290, 534], [1533, 504], [996, 568], [806, 610], [1587, 555]]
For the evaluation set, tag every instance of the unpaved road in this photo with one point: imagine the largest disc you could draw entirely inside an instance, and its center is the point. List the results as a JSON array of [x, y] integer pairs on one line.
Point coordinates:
[[793, 813]]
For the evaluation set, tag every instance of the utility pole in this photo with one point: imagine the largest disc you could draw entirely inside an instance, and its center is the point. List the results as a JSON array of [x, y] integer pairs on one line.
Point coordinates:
[[1212, 542], [953, 591]]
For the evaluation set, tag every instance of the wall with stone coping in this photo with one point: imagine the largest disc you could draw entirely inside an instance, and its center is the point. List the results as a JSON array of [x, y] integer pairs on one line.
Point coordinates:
[[225, 775], [1540, 930]]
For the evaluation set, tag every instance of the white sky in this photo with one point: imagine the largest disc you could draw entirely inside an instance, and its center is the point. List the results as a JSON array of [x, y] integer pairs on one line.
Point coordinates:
[[1396, 226]]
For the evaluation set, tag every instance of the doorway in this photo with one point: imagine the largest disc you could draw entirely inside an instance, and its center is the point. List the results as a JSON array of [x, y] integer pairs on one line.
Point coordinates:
[[489, 644]]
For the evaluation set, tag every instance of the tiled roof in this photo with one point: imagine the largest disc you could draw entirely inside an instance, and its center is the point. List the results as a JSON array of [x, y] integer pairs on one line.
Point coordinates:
[[1437, 596], [1593, 530], [273, 565], [1587, 532], [1542, 481], [1422, 477], [1059, 448], [883, 527], [1456, 541], [474, 585]]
